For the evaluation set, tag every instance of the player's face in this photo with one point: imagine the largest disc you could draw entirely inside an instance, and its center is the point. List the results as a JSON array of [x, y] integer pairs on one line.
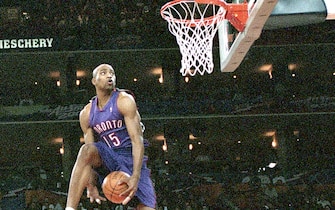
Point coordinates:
[[105, 78]]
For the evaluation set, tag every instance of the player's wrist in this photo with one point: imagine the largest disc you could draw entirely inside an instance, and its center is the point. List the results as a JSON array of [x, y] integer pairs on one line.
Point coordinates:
[[136, 175], [136, 178], [91, 184]]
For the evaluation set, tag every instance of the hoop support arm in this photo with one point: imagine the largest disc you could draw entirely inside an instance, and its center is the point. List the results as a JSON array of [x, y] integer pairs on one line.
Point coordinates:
[[237, 14], [244, 40]]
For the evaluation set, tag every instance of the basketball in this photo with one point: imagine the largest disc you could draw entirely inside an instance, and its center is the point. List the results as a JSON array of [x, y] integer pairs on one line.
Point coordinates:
[[112, 188]]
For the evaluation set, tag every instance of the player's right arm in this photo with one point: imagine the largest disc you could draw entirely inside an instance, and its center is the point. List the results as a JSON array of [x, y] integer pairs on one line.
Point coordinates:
[[92, 191], [84, 120]]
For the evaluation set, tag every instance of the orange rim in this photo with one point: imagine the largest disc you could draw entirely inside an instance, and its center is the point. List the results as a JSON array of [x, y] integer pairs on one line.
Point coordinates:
[[196, 22]]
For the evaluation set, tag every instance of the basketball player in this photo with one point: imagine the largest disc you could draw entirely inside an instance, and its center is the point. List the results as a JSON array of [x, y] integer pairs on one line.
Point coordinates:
[[112, 117]]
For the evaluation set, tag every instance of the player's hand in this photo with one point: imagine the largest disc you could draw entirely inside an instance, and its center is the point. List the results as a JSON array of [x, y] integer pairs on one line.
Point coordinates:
[[132, 183], [93, 194]]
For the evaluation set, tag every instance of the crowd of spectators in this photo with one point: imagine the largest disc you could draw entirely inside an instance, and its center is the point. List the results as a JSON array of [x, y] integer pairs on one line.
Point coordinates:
[[87, 24], [176, 191]]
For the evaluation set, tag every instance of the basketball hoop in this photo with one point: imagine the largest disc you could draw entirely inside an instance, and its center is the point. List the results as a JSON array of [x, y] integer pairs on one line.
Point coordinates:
[[194, 23]]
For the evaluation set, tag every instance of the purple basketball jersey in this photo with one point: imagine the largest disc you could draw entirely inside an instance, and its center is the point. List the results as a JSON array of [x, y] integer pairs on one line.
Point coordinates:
[[109, 124]]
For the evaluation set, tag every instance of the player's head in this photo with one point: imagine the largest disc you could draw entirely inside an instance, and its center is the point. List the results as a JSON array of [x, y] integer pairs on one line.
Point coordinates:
[[104, 77]]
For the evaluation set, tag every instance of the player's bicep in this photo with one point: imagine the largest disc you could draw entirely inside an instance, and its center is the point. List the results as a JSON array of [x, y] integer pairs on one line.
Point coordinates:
[[133, 124], [131, 116], [84, 124]]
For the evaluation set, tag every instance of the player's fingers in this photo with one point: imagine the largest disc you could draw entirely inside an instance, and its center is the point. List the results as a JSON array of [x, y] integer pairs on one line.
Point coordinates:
[[128, 192], [102, 198], [125, 201], [123, 180]]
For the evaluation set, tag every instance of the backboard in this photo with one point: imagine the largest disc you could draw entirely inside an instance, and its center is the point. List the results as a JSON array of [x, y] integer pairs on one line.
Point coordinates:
[[233, 50]]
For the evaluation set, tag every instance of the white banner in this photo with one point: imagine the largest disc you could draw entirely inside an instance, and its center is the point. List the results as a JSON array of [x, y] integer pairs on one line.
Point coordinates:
[[26, 43]]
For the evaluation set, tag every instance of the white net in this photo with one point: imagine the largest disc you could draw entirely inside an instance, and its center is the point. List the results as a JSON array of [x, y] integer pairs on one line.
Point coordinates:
[[194, 25]]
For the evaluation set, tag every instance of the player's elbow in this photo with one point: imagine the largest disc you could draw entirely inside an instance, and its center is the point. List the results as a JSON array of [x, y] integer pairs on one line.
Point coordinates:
[[87, 153]]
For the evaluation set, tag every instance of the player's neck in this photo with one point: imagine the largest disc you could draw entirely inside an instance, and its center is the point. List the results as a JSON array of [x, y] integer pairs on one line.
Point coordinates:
[[103, 98]]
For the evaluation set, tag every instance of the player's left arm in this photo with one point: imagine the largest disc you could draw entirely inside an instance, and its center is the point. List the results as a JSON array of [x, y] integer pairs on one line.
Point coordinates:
[[128, 108]]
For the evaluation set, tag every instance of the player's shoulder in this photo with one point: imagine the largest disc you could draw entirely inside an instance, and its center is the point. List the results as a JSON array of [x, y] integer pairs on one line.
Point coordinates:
[[86, 109], [126, 94]]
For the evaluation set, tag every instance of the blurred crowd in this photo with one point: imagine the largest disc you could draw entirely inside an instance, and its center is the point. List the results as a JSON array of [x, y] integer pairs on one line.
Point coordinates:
[[195, 192], [87, 24]]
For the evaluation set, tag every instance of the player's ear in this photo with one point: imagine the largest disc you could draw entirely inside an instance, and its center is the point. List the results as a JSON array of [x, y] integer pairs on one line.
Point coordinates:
[[93, 81]]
